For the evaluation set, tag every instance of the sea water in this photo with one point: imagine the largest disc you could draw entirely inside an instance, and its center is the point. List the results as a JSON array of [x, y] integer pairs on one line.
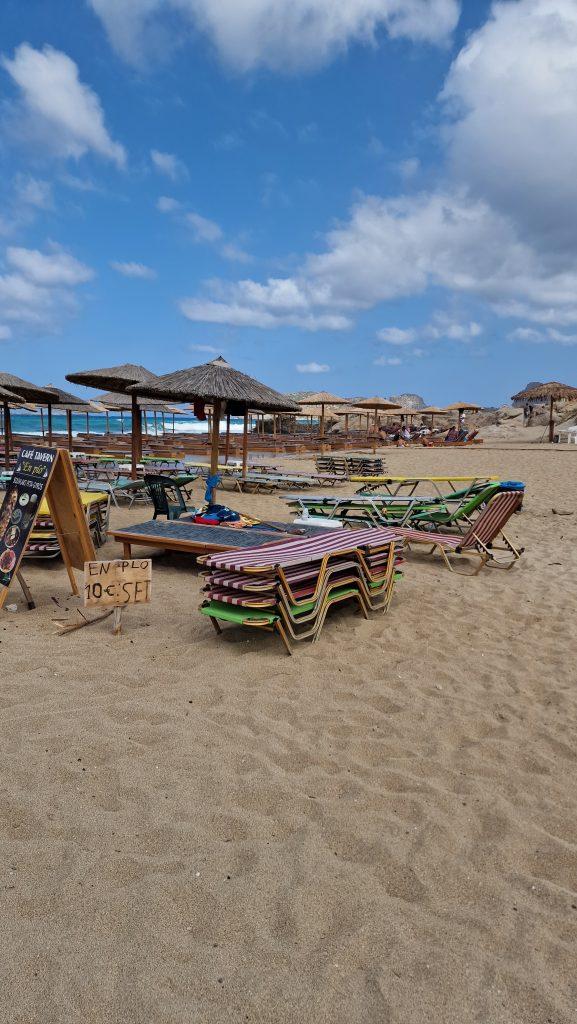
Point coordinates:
[[31, 423]]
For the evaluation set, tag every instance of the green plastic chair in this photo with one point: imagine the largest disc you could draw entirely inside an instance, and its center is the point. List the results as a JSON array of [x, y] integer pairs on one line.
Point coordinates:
[[159, 488]]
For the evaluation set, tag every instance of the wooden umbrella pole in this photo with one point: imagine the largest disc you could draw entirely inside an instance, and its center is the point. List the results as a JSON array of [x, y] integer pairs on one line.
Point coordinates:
[[69, 428], [215, 442], [136, 440], [49, 407], [227, 446], [122, 421], [107, 423], [42, 421], [88, 423], [245, 443], [155, 423], [551, 421], [7, 435]]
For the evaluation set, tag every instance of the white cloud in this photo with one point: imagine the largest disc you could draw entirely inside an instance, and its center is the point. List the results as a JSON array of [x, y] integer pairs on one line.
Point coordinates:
[[512, 94], [133, 270], [33, 191], [55, 108], [55, 268], [312, 367], [79, 184], [209, 349], [409, 168], [234, 253], [393, 248], [502, 231], [244, 315], [168, 205], [227, 141], [280, 34], [169, 164], [25, 198], [387, 361], [38, 290], [443, 326], [204, 230], [549, 336], [5, 332], [396, 335]]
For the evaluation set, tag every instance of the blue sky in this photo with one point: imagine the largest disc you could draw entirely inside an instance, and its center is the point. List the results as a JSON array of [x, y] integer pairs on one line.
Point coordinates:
[[370, 196]]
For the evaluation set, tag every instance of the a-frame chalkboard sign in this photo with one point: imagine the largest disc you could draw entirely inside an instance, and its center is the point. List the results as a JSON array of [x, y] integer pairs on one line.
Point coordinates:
[[39, 473]]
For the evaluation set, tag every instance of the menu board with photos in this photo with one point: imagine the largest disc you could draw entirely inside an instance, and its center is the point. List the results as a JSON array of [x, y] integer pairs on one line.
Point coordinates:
[[24, 492]]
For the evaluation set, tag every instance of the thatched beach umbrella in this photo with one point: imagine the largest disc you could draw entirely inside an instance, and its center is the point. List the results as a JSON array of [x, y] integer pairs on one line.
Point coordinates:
[[555, 392], [123, 403], [119, 379], [432, 411], [379, 405], [224, 388], [68, 403], [354, 411], [323, 398], [461, 407], [26, 392], [401, 413]]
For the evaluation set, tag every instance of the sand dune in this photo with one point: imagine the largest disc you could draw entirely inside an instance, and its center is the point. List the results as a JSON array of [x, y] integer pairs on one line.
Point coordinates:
[[381, 829]]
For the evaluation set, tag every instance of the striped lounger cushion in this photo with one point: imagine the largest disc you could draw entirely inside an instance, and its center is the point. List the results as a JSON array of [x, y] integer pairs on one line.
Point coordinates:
[[298, 552]]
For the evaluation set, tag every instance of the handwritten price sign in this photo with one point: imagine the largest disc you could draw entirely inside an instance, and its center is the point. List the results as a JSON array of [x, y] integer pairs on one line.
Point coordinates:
[[118, 582]]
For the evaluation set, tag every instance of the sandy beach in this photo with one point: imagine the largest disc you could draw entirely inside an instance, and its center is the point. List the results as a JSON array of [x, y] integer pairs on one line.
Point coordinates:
[[379, 830]]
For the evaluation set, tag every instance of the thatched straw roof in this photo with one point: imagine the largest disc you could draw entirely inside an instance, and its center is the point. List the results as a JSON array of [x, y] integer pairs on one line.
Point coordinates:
[[65, 400], [457, 406], [377, 403], [22, 388], [216, 380], [553, 390], [432, 409], [323, 398], [8, 396], [113, 378], [123, 403], [316, 411]]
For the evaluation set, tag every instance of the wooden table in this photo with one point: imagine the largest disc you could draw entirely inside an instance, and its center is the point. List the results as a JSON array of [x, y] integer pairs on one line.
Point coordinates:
[[196, 539]]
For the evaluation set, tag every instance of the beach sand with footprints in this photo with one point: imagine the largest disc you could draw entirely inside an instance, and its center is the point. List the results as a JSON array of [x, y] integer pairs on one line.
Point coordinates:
[[381, 829]]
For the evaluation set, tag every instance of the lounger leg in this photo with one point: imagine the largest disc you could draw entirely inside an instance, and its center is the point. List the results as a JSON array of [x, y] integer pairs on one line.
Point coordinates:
[[216, 625], [445, 556], [127, 549], [283, 636]]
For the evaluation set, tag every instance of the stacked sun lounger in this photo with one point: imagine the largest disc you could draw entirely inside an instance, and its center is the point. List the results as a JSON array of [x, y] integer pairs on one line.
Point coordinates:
[[43, 541], [365, 465], [289, 587], [335, 465], [350, 465]]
